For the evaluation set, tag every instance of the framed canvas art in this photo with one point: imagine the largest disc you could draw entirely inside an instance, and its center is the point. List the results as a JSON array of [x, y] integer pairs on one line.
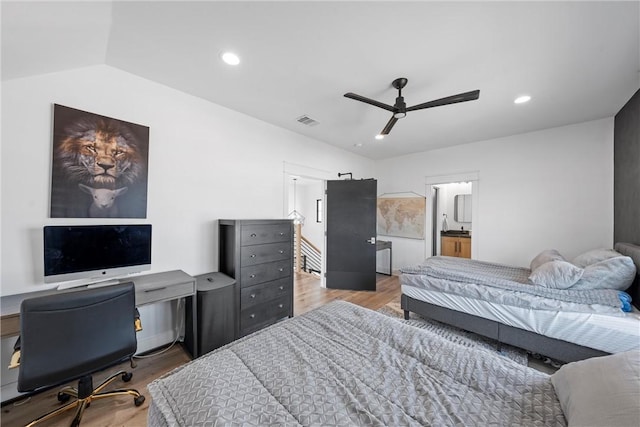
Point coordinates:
[[99, 167]]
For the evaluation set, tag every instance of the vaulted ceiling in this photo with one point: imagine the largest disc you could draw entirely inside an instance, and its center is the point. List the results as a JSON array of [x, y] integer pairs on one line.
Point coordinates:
[[578, 61]]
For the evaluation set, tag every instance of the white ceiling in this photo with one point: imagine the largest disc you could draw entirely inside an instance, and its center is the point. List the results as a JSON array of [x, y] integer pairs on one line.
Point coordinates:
[[578, 60]]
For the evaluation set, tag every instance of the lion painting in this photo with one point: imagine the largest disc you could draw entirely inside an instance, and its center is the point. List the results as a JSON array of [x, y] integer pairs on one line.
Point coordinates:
[[95, 153]]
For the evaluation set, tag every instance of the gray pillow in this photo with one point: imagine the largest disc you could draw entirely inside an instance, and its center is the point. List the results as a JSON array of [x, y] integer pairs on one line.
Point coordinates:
[[546, 256], [601, 391], [612, 273], [556, 274], [593, 256]]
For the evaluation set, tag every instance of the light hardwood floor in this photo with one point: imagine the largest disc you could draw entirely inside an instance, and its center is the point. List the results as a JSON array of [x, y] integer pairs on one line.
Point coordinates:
[[121, 411]]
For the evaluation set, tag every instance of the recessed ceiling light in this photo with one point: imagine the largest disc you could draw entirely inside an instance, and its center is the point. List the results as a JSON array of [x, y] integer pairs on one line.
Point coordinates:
[[379, 137], [230, 58], [522, 99]]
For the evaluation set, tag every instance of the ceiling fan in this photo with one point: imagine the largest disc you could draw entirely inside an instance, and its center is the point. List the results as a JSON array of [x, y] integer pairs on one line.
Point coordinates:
[[400, 109]]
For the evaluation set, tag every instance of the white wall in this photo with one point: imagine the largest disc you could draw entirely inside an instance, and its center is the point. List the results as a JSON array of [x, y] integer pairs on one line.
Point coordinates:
[[205, 162], [540, 190]]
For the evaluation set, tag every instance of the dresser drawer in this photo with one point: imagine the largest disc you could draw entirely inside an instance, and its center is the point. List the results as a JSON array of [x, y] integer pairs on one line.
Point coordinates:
[[148, 294], [264, 292], [259, 254], [259, 234], [253, 318], [265, 272]]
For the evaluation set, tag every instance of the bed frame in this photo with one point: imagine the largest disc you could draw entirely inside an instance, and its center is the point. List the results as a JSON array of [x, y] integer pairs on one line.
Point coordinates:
[[504, 334]]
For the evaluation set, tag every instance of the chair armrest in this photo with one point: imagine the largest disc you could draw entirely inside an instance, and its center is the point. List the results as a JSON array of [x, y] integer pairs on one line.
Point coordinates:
[[137, 322], [15, 357]]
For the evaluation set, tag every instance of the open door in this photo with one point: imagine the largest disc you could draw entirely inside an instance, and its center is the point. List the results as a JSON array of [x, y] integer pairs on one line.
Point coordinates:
[[351, 234]]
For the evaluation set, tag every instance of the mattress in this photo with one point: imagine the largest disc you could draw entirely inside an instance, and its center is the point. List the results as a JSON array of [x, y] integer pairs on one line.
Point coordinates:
[[342, 364], [591, 326]]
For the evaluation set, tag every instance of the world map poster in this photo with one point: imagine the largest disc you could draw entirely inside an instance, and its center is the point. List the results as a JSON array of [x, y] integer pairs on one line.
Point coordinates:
[[401, 216]]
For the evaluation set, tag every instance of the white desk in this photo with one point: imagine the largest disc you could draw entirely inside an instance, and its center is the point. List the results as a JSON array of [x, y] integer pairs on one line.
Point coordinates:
[[150, 288]]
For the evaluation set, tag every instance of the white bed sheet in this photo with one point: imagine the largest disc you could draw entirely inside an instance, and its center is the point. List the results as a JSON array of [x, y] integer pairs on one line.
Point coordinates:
[[612, 334]]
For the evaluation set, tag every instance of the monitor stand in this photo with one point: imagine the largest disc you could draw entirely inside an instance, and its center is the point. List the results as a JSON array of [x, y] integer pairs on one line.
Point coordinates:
[[104, 283], [77, 284]]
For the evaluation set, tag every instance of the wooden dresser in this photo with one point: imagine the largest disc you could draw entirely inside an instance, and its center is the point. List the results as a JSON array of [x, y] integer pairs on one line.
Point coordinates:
[[259, 255]]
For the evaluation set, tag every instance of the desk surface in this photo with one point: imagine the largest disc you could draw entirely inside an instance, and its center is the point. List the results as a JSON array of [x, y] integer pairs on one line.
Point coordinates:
[[150, 288], [382, 244]]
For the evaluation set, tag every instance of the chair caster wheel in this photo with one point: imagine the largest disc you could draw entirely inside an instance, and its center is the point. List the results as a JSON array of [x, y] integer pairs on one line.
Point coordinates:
[[138, 400], [63, 397], [126, 377]]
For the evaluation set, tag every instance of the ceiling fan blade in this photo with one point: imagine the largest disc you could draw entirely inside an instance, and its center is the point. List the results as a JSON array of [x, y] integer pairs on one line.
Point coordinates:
[[461, 97], [368, 101], [389, 125]]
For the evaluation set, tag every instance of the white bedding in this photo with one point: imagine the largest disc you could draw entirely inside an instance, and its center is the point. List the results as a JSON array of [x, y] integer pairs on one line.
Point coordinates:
[[592, 326]]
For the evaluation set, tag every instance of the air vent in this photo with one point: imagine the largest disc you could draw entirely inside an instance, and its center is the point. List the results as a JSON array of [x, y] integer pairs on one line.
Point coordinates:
[[308, 121]]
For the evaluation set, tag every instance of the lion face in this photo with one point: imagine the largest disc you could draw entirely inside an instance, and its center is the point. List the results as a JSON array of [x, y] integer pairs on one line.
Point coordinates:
[[100, 153]]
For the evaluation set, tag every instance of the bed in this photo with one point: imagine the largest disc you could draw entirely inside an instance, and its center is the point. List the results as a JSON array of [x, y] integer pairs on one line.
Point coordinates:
[[568, 317], [342, 364]]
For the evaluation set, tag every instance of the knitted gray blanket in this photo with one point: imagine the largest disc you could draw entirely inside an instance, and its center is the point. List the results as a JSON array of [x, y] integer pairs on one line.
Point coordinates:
[[343, 365], [468, 271]]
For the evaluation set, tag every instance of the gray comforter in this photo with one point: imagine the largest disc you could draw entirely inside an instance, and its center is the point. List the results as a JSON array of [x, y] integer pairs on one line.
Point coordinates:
[[471, 271], [345, 365]]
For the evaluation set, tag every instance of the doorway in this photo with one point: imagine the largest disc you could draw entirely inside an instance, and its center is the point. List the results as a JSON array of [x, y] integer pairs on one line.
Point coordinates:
[[442, 191], [305, 201], [309, 188]]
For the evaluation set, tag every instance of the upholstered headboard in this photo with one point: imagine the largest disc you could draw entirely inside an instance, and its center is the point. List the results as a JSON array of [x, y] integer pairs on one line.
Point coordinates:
[[633, 251]]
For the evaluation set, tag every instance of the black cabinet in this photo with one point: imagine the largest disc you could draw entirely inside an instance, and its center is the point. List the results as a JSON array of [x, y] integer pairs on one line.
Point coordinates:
[[217, 316], [259, 255]]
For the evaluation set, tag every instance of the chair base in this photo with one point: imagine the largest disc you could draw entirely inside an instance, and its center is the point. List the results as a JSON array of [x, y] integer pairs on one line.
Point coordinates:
[[81, 403]]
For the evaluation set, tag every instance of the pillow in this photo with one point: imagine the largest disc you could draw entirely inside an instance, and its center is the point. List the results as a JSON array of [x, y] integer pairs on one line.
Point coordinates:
[[556, 274], [546, 256], [593, 256], [602, 391], [613, 273]]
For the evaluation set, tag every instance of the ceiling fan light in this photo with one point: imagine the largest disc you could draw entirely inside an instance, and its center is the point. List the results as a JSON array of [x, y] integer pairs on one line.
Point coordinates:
[[230, 58], [379, 136], [400, 115]]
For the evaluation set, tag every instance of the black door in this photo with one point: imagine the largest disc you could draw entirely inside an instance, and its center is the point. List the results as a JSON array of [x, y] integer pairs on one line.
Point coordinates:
[[351, 234]]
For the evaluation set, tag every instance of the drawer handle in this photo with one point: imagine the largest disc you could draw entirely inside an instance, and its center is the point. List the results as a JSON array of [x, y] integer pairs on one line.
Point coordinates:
[[253, 295], [155, 289], [281, 251], [282, 288], [281, 269], [252, 316], [254, 235], [253, 255], [252, 276], [280, 305]]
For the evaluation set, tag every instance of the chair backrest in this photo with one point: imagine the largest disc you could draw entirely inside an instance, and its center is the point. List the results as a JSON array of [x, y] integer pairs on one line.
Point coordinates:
[[72, 334]]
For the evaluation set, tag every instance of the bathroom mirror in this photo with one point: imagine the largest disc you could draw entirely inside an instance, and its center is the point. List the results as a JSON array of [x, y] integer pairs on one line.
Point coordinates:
[[462, 208]]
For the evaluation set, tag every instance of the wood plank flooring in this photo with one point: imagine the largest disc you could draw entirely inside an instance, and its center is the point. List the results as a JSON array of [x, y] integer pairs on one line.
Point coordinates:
[[121, 411]]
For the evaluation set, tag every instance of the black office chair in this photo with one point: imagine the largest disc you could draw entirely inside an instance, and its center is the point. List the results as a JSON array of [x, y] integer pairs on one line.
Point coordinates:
[[69, 336]]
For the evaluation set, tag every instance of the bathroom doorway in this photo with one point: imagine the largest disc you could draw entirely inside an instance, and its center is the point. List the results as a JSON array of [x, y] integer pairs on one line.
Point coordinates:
[[454, 201]]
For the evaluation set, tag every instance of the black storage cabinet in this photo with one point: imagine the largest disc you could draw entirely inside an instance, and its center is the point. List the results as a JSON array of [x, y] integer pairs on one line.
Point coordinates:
[[216, 308]]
